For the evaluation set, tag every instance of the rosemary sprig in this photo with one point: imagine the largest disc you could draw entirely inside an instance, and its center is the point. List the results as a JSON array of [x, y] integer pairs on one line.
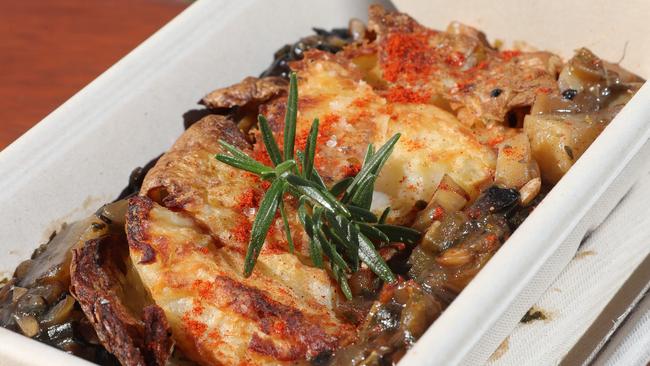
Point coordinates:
[[338, 220]]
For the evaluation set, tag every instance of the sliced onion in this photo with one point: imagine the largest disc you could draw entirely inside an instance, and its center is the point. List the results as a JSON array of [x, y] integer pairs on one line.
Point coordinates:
[[59, 313], [455, 257], [449, 197], [115, 212], [17, 293], [530, 190], [28, 325]]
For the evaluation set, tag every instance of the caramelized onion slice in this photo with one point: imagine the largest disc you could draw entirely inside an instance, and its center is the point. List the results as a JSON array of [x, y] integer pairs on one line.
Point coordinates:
[[448, 197], [59, 313], [529, 191], [28, 325]]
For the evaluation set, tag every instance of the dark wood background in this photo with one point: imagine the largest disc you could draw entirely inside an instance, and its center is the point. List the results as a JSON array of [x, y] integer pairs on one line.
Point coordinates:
[[50, 49]]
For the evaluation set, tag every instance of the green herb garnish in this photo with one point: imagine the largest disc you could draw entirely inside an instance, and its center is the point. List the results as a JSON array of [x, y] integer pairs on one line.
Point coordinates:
[[338, 220]]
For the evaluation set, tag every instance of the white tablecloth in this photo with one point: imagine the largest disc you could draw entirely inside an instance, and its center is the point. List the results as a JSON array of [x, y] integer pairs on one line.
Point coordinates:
[[601, 266]]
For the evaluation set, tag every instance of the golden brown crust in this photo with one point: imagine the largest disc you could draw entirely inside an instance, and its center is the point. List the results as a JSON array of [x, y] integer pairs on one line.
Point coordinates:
[[137, 212], [307, 337], [480, 83], [282, 314], [249, 90], [381, 21], [189, 178], [198, 239], [157, 339], [178, 181], [97, 282]]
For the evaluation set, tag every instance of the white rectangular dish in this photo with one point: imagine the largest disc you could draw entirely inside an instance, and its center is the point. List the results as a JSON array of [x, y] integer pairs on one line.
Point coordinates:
[[82, 154]]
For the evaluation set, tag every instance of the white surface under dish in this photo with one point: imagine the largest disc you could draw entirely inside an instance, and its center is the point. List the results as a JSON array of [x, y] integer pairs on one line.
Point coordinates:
[[81, 155], [601, 266]]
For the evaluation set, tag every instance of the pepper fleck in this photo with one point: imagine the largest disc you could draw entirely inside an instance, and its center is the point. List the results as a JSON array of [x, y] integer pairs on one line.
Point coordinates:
[[569, 94], [495, 92]]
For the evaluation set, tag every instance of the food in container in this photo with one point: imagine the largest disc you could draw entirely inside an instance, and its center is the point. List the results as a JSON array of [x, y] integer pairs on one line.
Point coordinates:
[[482, 135]]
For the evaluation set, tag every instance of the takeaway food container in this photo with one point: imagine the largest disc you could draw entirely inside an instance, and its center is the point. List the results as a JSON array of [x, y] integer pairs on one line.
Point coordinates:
[[82, 154]]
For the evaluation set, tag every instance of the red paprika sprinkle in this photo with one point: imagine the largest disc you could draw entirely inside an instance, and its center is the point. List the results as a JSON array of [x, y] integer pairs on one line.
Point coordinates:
[[408, 55], [242, 230], [455, 58], [507, 55], [351, 170], [195, 328], [495, 141], [399, 94], [438, 213]]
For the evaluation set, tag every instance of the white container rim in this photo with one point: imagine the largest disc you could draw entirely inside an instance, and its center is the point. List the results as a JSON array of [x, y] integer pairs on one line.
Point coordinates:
[[462, 325]]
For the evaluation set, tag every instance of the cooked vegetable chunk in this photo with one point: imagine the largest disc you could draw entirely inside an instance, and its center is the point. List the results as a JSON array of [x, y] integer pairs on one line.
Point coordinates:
[[558, 141], [515, 164]]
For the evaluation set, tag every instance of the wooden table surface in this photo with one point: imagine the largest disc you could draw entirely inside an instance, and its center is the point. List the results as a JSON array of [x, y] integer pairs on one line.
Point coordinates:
[[50, 49]]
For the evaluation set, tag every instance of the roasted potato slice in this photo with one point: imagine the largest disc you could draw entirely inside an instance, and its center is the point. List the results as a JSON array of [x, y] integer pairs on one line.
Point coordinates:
[[111, 295], [189, 246]]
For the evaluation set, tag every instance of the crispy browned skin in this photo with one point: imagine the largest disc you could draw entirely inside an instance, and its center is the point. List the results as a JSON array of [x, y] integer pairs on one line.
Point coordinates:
[[185, 182], [136, 335], [249, 90], [218, 197], [188, 247], [459, 66]]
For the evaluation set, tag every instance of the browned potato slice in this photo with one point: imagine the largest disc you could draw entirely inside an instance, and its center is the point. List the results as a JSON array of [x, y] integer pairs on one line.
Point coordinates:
[[189, 252], [249, 90], [529, 191], [433, 142]]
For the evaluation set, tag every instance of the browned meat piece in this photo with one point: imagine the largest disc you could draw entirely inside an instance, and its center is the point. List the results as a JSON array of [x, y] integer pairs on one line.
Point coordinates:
[[249, 90], [108, 292]]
